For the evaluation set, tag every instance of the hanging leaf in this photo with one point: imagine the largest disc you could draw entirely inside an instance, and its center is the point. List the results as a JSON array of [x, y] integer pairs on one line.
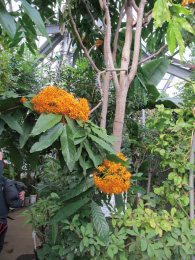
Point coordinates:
[[47, 138], [36, 18], [161, 13], [83, 165], [12, 123], [155, 70], [171, 40], [33, 159], [2, 123], [15, 157], [91, 155], [119, 201], [80, 133], [78, 153], [7, 21], [29, 105], [72, 124], [100, 224], [68, 210], [102, 144], [45, 122], [27, 128], [79, 189], [116, 159], [54, 232], [68, 147]]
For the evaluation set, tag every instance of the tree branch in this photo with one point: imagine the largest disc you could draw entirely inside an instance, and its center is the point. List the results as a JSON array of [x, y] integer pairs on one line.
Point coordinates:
[[108, 45], [92, 18], [117, 33], [137, 41], [128, 41], [153, 55], [135, 6], [79, 38], [98, 105]]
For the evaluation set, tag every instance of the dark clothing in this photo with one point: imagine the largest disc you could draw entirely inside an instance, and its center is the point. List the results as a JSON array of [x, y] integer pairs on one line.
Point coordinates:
[[11, 194], [2, 236], [9, 197]]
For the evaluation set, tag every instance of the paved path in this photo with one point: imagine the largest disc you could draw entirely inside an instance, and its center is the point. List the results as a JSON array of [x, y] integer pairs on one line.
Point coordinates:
[[19, 244]]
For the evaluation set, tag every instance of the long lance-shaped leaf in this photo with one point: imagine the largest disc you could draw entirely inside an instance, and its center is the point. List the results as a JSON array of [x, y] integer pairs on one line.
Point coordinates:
[[68, 147], [100, 223], [80, 188], [27, 128], [45, 122], [7, 21], [116, 159], [12, 123], [36, 18], [68, 210], [103, 144], [91, 155], [47, 138]]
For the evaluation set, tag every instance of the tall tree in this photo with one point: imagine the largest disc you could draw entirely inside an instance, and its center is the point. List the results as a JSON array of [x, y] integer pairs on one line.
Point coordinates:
[[120, 26]]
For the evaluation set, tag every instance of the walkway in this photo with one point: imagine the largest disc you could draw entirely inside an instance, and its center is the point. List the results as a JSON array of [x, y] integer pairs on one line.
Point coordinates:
[[19, 244]]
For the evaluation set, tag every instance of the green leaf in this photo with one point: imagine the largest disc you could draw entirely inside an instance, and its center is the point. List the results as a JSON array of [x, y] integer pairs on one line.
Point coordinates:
[[12, 123], [116, 159], [48, 138], [68, 147], [7, 21], [83, 165], [54, 232], [79, 189], [161, 13], [36, 18], [102, 144], [119, 201], [167, 252], [2, 123], [68, 210], [100, 223], [138, 189], [91, 155], [155, 70], [151, 234], [27, 128], [29, 105], [72, 123], [180, 9], [183, 23], [171, 40], [144, 244], [179, 39], [45, 122], [80, 133], [103, 135]]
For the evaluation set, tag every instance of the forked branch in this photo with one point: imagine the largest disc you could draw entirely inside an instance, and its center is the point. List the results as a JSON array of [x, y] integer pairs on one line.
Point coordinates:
[[79, 38], [92, 18]]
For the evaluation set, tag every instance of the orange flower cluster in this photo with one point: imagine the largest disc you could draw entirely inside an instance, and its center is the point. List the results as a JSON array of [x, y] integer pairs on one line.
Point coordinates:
[[187, 2], [23, 100], [99, 43], [58, 101], [112, 178]]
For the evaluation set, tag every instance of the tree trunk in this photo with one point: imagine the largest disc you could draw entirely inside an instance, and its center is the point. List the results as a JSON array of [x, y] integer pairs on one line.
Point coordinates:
[[121, 97], [105, 100]]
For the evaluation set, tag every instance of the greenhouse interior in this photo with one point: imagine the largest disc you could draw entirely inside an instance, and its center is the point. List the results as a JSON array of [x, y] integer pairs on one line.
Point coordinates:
[[97, 138]]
